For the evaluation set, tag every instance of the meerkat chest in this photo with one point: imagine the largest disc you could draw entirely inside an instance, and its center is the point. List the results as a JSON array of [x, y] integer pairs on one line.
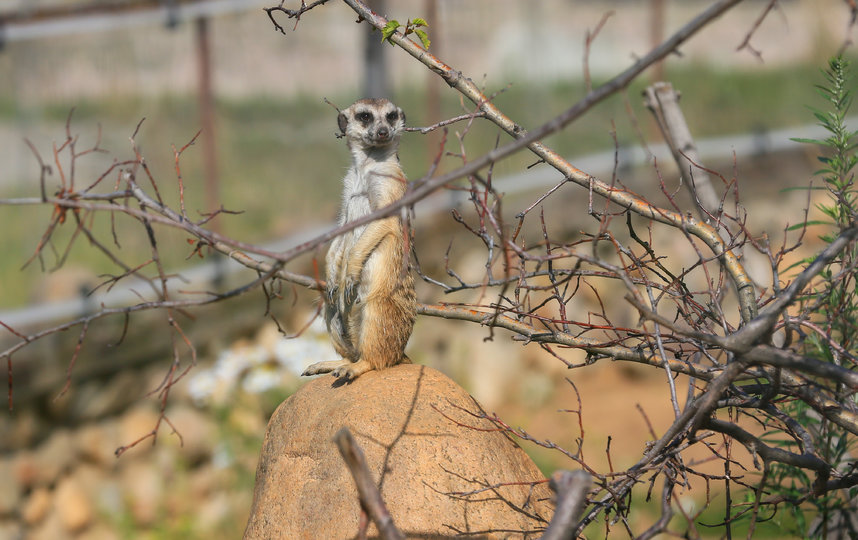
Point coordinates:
[[356, 197], [369, 186]]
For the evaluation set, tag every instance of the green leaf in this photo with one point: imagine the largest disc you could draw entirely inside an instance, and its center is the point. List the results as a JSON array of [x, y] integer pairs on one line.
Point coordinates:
[[424, 38], [802, 188], [800, 522], [419, 22], [807, 224], [822, 117], [389, 29], [808, 141]]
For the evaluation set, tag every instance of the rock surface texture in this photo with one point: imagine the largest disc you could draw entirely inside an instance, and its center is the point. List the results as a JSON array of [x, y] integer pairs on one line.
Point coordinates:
[[436, 475]]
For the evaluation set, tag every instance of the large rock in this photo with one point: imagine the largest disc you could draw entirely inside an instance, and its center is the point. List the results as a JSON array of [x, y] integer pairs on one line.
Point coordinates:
[[438, 476]]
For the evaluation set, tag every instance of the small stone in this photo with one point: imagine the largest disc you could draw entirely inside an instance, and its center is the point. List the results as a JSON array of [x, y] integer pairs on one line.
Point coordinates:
[[202, 482], [73, 505], [101, 487], [20, 429], [24, 470], [213, 512], [9, 530], [97, 399], [6, 426], [37, 506], [197, 431], [165, 458], [97, 443], [143, 486], [51, 528], [54, 457], [10, 487], [99, 532], [134, 425]]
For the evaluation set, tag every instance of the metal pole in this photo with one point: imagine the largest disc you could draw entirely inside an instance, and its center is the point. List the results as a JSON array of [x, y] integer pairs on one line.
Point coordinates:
[[433, 82], [376, 82], [206, 108], [656, 34], [210, 170]]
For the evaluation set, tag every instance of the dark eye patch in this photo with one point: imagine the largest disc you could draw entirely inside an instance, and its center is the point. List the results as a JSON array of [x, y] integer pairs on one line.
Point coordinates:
[[392, 117], [364, 117]]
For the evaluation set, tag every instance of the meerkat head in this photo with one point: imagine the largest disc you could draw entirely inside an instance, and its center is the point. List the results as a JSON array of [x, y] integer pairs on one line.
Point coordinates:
[[372, 123]]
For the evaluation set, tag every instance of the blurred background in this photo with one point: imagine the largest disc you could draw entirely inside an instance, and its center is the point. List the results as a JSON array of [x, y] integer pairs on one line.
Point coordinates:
[[268, 149]]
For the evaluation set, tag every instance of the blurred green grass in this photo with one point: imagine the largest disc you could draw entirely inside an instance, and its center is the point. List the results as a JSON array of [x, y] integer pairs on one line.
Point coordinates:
[[281, 164]]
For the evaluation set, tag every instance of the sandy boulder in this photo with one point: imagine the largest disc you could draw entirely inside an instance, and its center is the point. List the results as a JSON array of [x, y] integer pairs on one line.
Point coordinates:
[[438, 476]]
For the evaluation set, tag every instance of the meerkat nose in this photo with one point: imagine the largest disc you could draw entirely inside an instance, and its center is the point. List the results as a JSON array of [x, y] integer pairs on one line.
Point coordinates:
[[383, 132]]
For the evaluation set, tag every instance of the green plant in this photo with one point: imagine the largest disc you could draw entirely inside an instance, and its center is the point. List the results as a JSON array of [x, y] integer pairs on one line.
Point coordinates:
[[410, 27], [827, 318]]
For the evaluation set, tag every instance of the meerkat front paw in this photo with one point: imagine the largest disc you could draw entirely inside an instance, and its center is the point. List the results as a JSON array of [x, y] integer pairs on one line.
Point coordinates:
[[351, 371], [350, 292], [344, 373], [324, 367], [314, 369], [331, 294]]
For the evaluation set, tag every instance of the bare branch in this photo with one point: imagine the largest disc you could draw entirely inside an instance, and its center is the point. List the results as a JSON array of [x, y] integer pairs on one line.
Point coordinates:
[[370, 497], [571, 489], [442, 123], [290, 13], [663, 101], [767, 318], [746, 43]]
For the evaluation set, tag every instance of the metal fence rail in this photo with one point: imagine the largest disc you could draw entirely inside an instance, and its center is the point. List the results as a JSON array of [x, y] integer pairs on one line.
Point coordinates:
[[50, 22], [715, 149]]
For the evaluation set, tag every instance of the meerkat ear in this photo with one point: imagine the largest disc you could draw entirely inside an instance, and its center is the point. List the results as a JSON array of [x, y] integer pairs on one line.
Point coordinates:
[[401, 114], [342, 121]]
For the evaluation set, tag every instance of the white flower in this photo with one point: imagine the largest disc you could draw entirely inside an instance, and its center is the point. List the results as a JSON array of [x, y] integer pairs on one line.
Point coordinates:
[[298, 353], [261, 379], [202, 385], [229, 365], [255, 368], [221, 457], [255, 356]]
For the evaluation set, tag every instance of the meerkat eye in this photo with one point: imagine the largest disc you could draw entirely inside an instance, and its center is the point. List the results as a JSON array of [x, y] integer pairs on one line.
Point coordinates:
[[364, 117], [392, 117]]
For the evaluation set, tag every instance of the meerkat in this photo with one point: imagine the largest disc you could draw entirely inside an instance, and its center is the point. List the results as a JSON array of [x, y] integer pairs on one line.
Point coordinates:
[[370, 303]]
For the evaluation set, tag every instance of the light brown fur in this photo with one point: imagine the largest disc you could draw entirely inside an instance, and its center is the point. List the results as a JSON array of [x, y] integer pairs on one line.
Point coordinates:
[[370, 304]]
